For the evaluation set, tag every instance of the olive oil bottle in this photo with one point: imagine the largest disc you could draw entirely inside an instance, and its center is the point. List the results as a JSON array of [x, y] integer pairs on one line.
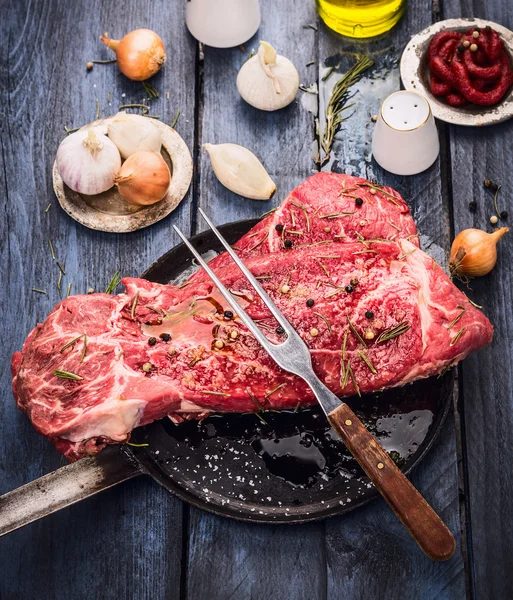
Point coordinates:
[[361, 18]]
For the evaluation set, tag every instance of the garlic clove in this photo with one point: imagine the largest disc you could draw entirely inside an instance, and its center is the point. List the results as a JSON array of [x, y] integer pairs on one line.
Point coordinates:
[[238, 169], [268, 81], [87, 162], [131, 133]]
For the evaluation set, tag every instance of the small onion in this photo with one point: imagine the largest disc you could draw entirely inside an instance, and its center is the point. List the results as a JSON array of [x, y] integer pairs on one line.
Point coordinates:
[[474, 252], [131, 133], [140, 54], [144, 178], [87, 162]]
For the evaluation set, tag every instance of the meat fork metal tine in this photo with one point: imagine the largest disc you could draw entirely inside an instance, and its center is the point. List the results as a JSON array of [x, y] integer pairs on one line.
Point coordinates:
[[250, 277], [244, 317]]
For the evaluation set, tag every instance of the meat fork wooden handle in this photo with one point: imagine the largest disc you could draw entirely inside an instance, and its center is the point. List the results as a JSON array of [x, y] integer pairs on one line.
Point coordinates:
[[425, 526]]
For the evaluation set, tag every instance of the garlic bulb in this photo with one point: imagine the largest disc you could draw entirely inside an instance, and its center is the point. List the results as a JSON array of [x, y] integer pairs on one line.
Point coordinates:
[[268, 81], [131, 133], [87, 162], [240, 171], [144, 178]]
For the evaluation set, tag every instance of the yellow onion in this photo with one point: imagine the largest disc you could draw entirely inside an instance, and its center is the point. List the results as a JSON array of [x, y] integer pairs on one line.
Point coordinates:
[[474, 252], [144, 178], [140, 54]]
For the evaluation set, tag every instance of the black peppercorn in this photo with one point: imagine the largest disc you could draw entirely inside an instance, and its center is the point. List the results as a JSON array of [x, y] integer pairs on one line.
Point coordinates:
[[354, 281], [228, 314], [504, 214], [279, 228], [280, 330], [310, 302], [288, 243], [165, 337], [358, 202], [152, 341], [472, 206], [349, 289], [369, 314]]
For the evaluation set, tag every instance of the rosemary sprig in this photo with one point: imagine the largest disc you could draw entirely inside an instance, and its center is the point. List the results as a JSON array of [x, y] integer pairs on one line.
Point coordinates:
[[455, 320], [323, 267], [278, 387], [473, 303], [134, 305], [269, 212], [260, 242], [51, 249], [113, 283], [68, 130], [144, 108], [338, 103], [67, 375], [444, 370], [379, 188], [367, 361], [48, 207], [136, 445], [258, 405], [59, 284], [150, 90], [355, 331], [406, 254], [61, 268], [39, 291], [344, 345], [175, 118], [457, 336], [345, 376], [328, 324], [392, 332], [328, 73], [353, 379], [335, 215], [73, 341], [68, 291]]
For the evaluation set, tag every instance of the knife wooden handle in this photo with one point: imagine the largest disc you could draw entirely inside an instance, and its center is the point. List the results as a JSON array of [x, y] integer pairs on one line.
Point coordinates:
[[425, 526]]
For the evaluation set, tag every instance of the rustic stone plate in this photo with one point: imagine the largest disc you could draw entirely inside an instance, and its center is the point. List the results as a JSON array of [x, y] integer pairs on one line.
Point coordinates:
[[414, 75], [109, 211]]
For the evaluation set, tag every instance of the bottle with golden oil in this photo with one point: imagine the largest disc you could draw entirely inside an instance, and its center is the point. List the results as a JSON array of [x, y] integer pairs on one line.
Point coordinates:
[[361, 18]]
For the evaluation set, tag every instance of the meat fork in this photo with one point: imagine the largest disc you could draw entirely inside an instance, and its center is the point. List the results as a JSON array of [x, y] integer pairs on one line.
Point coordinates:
[[292, 355]]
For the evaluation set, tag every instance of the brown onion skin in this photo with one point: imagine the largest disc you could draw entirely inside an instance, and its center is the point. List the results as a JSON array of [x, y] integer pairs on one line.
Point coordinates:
[[480, 252], [144, 178], [140, 54]]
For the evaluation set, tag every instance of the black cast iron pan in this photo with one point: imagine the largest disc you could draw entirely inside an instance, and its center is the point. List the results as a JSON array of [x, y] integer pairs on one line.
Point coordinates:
[[275, 467]]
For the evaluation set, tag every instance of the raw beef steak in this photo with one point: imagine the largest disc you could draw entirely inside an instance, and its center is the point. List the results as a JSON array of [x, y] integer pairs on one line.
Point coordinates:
[[401, 319], [327, 208]]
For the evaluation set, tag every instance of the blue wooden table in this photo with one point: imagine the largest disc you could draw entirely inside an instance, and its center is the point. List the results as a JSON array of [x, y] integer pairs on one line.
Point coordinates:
[[136, 540]]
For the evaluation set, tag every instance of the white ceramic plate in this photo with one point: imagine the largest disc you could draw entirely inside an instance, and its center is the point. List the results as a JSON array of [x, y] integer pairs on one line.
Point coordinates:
[[414, 74], [109, 211]]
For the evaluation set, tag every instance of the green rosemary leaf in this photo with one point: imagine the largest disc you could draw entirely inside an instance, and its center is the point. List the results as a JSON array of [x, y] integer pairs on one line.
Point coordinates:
[[51, 249], [113, 283], [275, 390], [367, 361], [392, 332], [259, 406], [67, 375], [457, 318], [354, 330], [328, 324], [68, 291], [457, 336], [48, 207], [213, 393], [136, 445], [39, 291], [353, 379], [175, 119], [104, 62]]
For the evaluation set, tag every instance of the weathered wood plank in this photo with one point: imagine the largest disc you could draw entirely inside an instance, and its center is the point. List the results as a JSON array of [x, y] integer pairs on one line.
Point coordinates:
[[254, 561], [369, 553], [281, 139], [125, 542], [487, 405]]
